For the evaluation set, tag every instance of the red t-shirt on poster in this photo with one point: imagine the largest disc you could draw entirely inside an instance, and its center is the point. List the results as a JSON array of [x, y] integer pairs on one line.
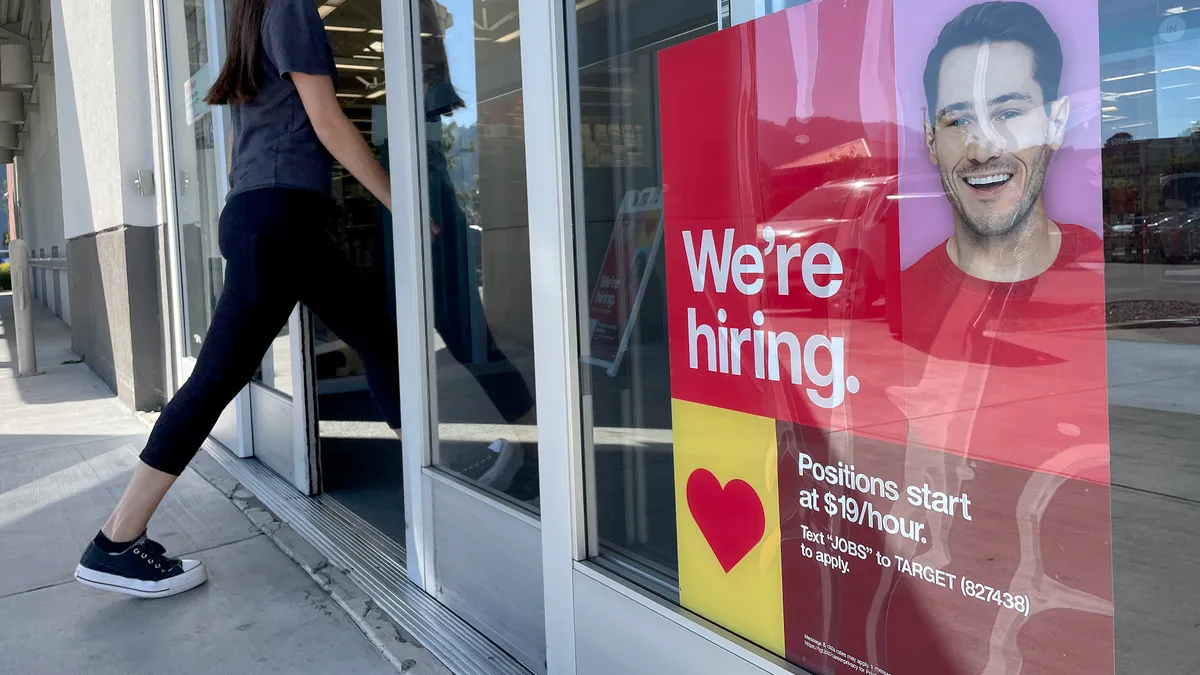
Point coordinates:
[[1012, 373]]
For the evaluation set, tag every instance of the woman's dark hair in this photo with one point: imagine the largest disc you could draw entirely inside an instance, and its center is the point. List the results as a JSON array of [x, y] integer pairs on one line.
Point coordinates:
[[440, 96], [239, 80], [992, 22]]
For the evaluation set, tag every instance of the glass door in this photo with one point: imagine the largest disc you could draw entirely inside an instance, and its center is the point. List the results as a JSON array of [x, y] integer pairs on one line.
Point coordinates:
[[194, 32], [262, 421], [360, 460], [467, 362]]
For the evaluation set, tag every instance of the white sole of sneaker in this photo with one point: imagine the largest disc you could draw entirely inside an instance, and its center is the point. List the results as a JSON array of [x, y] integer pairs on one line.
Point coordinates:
[[142, 589], [509, 462]]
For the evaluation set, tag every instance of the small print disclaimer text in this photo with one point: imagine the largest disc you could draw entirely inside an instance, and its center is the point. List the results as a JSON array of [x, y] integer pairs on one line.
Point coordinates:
[[842, 657]]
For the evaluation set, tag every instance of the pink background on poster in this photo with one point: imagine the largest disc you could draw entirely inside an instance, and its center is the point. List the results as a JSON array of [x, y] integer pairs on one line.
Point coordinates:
[[1073, 190]]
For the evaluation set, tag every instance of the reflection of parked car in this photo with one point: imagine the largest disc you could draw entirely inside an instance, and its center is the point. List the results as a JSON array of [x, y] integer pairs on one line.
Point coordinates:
[[1177, 227], [1128, 240], [1179, 236], [1172, 235], [850, 214]]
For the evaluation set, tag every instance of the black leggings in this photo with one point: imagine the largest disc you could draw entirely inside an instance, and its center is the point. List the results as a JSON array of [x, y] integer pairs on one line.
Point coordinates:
[[279, 251]]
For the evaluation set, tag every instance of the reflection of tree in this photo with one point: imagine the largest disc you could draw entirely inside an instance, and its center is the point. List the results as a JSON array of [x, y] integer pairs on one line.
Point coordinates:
[[457, 145]]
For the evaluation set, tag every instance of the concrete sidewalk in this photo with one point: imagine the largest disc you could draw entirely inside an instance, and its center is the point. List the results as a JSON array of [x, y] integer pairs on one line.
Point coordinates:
[[66, 449]]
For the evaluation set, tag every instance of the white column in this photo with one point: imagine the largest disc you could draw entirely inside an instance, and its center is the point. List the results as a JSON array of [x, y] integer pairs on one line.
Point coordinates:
[[26, 349]]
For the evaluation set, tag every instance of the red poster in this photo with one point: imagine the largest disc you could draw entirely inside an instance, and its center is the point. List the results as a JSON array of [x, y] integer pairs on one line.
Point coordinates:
[[887, 335]]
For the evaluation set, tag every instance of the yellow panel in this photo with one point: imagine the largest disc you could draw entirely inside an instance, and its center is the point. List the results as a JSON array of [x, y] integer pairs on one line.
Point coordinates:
[[732, 446]]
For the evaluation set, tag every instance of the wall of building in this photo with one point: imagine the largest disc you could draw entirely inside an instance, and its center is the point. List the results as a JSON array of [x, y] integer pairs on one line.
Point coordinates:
[[105, 116], [41, 196], [112, 231]]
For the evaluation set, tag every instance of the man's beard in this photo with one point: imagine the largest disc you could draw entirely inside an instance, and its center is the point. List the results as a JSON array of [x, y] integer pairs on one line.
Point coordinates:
[[997, 225]]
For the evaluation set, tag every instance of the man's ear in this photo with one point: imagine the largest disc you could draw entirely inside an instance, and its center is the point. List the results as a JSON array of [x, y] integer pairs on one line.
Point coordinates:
[[930, 142], [1059, 112]]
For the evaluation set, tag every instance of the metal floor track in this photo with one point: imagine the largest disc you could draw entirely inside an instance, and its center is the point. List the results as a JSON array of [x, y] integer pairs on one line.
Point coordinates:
[[376, 564]]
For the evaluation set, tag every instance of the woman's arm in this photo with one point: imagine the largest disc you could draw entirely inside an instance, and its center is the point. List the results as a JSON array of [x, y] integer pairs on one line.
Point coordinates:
[[339, 135]]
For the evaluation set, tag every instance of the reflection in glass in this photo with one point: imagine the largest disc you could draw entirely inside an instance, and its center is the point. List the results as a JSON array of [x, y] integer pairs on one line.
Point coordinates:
[[479, 246], [1150, 86], [198, 170]]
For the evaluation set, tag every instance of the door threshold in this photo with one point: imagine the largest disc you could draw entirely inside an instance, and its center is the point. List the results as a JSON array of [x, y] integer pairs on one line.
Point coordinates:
[[376, 564]]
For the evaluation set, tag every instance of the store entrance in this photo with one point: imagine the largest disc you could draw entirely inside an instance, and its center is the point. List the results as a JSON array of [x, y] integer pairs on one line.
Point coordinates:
[[359, 456]]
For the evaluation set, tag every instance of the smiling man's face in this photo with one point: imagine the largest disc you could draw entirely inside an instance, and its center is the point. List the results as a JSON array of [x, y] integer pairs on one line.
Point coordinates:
[[993, 135]]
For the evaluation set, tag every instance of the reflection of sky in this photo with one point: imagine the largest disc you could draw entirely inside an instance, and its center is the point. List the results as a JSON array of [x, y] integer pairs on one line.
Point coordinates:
[[460, 49]]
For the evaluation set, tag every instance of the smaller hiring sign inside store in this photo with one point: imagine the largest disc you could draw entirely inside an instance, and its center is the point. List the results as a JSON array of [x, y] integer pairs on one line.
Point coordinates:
[[624, 275], [887, 335]]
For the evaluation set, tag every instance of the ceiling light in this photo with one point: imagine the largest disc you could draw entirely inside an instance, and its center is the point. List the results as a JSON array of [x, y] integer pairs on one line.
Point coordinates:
[[368, 57], [355, 66], [1139, 92], [1108, 108], [510, 37], [376, 31], [377, 46], [376, 94], [1176, 10], [345, 29], [349, 95]]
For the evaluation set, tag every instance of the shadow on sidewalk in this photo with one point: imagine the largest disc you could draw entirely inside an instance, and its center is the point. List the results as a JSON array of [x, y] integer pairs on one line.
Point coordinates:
[[64, 378]]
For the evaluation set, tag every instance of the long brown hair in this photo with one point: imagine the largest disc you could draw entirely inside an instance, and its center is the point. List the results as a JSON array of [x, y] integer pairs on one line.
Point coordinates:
[[239, 80]]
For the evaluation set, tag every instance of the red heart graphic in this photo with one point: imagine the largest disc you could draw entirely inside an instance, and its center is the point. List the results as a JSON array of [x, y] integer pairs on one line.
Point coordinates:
[[730, 518]]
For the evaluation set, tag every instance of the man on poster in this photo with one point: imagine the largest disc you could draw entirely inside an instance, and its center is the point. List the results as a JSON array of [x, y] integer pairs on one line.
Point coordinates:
[[995, 120], [1009, 271], [1005, 320]]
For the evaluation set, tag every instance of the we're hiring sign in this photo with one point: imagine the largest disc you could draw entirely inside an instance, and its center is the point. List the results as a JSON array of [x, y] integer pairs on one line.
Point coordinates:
[[886, 460]]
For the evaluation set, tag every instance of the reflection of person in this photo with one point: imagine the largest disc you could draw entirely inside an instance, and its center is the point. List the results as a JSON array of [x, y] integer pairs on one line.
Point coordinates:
[[455, 294], [288, 127]]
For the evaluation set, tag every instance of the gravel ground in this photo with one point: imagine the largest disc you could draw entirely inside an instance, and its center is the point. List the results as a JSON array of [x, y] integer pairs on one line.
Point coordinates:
[[1126, 311]]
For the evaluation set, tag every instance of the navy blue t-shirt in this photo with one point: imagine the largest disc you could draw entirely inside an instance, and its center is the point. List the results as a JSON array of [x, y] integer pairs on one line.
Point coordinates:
[[274, 144]]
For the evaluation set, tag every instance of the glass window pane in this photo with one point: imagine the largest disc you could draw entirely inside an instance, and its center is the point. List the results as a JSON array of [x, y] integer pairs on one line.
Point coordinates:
[[924, 395], [479, 245], [621, 269], [197, 167], [275, 371]]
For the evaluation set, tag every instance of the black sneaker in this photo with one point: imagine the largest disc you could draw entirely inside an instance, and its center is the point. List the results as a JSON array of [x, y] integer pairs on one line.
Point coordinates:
[[143, 570]]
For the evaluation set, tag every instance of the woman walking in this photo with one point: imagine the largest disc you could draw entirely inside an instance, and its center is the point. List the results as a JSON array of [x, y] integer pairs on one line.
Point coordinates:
[[288, 127]]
